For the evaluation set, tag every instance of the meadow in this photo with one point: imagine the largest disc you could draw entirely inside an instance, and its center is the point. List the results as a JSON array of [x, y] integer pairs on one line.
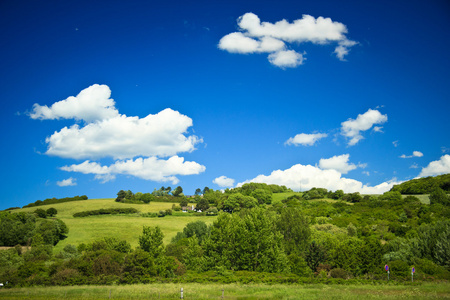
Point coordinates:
[[124, 227], [232, 291]]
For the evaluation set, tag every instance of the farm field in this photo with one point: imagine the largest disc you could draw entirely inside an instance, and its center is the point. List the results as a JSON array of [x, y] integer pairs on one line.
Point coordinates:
[[124, 227], [233, 291]]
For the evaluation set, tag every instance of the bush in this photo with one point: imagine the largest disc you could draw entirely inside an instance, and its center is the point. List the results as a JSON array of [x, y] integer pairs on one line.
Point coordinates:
[[105, 211], [41, 213], [339, 273]]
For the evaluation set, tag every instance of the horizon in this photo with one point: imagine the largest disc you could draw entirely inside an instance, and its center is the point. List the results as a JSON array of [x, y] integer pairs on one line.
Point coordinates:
[[108, 96]]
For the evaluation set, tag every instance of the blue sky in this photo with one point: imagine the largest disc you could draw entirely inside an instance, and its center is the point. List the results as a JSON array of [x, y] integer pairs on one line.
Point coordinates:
[[99, 96]]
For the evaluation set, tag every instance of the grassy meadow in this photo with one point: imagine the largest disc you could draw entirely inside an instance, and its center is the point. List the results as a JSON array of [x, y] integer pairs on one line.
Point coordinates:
[[129, 227], [124, 227], [232, 291]]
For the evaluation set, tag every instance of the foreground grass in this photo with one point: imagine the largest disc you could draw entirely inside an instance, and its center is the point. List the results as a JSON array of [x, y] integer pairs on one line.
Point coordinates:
[[233, 291]]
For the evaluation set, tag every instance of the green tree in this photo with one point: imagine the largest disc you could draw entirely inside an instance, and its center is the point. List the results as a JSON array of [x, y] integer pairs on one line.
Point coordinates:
[[178, 191], [263, 196], [439, 196], [198, 229], [202, 204], [294, 227], [315, 255], [41, 213], [121, 196], [51, 212], [198, 192], [246, 241], [151, 241]]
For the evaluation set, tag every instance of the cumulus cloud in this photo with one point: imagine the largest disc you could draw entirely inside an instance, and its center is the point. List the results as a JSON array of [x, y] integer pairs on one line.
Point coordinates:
[[301, 177], [305, 139], [92, 103], [352, 128], [150, 168], [122, 137], [437, 167], [224, 181], [339, 163], [415, 154], [137, 144], [67, 182], [286, 59], [256, 37]]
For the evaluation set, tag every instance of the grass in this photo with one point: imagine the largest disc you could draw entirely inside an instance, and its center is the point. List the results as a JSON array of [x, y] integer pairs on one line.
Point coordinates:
[[124, 227], [277, 197], [233, 291], [423, 198]]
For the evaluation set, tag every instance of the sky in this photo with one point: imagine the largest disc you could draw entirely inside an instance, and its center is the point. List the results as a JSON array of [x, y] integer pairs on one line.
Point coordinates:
[[100, 96]]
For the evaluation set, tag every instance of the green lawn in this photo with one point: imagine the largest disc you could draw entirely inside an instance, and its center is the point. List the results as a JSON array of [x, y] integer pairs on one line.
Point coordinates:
[[233, 291], [124, 227]]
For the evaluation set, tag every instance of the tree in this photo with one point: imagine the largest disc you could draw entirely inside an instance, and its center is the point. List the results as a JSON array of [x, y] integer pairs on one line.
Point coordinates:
[[178, 191], [202, 204], [198, 192], [205, 190], [151, 241], [41, 213], [263, 196], [295, 228], [315, 255], [121, 196], [439, 196], [51, 212], [198, 229]]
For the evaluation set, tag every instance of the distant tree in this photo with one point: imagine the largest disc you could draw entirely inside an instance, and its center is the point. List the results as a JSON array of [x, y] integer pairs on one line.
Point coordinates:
[[51, 212], [121, 196], [41, 213], [184, 202], [439, 196], [202, 204], [205, 190], [178, 191], [263, 196], [198, 228], [198, 192]]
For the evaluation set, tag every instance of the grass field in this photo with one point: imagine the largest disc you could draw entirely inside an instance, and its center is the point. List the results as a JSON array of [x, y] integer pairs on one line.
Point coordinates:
[[233, 291], [124, 227]]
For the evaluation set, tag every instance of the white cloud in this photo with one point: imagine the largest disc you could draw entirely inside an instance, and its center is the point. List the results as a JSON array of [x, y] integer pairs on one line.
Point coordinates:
[[257, 36], [106, 133], [286, 59], [305, 139], [415, 154], [338, 163], [67, 182], [92, 103], [301, 177], [224, 181], [437, 167], [237, 42], [366, 173], [414, 166], [150, 168], [395, 143], [122, 137], [352, 128]]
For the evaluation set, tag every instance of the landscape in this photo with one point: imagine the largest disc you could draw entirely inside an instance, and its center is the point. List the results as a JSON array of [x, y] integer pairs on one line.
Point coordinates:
[[235, 149], [266, 238]]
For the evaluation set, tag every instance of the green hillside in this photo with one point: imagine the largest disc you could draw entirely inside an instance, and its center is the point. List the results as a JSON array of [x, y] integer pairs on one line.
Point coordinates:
[[124, 227]]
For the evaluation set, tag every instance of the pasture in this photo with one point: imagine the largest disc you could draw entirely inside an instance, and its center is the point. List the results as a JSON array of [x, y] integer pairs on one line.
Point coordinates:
[[232, 291], [124, 227]]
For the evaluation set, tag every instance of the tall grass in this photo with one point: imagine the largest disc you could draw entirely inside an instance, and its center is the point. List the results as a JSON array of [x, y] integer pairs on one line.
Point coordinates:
[[233, 291]]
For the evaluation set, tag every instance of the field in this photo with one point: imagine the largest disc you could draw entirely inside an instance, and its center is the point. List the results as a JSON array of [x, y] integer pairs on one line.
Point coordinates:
[[124, 227], [233, 291]]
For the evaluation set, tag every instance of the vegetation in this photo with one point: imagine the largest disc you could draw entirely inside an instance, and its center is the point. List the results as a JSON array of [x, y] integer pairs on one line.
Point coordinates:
[[55, 201], [105, 211], [424, 185], [310, 237]]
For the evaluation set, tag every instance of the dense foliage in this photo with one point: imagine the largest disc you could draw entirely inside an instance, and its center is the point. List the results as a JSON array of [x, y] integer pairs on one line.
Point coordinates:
[[424, 185], [24, 228], [317, 234], [56, 200], [106, 211]]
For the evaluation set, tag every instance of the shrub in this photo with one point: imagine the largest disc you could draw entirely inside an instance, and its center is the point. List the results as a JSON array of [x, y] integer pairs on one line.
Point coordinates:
[[339, 273], [105, 211]]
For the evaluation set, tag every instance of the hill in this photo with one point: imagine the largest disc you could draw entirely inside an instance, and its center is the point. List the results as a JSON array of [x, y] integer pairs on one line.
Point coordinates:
[[124, 227], [423, 185]]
